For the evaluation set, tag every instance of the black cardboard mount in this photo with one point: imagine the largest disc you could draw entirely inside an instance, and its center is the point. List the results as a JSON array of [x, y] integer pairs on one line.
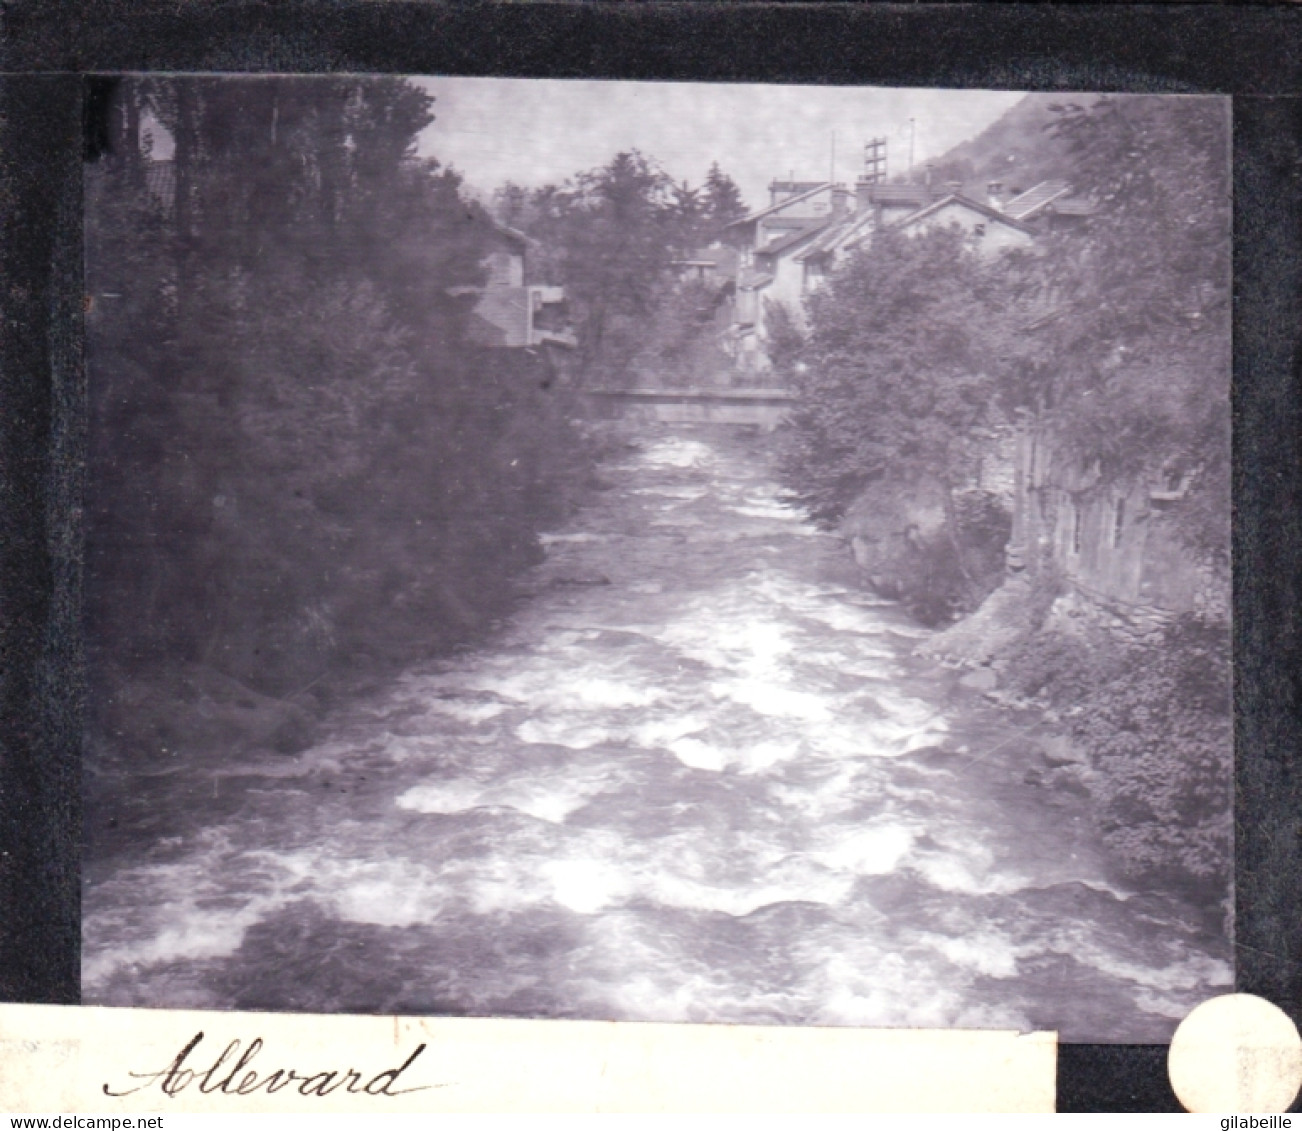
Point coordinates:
[[47, 46]]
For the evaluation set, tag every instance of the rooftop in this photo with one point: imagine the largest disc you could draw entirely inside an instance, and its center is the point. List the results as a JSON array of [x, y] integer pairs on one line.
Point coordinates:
[[1073, 206], [781, 204], [1034, 199], [752, 279], [794, 186], [965, 202], [782, 243], [1048, 196], [512, 235], [839, 235], [900, 194]]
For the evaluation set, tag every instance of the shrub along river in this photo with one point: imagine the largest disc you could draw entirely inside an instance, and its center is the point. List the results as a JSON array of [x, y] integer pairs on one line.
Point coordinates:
[[698, 776]]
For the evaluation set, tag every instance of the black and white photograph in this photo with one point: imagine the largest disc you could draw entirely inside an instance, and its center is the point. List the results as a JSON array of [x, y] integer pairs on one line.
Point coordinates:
[[650, 551]]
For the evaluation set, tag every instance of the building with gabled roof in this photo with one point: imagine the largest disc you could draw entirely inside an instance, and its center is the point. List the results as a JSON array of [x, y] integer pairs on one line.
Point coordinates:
[[1050, 203], [768, 242], [788, 247], [917, 206], [992, 229], [511, 311], [788, 200], [1036, 199]]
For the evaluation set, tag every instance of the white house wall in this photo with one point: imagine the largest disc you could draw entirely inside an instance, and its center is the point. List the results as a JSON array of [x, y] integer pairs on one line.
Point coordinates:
[[997, 236], [505, 268], [788, 287]]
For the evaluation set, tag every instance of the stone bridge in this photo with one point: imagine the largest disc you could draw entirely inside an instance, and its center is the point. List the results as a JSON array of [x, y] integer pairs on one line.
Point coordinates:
[[762, 407]]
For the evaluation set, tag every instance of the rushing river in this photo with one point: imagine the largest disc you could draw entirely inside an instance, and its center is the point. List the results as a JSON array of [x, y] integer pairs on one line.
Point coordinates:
[[697, 777]]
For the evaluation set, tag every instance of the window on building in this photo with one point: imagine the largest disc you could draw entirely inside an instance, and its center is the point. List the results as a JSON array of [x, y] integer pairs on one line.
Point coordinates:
[[1119, 523], [979, 230]]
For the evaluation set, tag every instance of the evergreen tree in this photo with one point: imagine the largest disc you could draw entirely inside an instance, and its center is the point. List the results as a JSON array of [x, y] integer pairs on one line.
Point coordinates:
[[723, 202], [689, 216]]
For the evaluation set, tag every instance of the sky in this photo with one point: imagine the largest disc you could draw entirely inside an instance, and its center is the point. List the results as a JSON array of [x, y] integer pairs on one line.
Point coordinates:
[[541, 131]]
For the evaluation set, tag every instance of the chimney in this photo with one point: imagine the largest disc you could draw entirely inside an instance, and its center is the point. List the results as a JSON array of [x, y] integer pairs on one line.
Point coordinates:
[[841, 197], [926, 174], [995, 195], [953, 188]]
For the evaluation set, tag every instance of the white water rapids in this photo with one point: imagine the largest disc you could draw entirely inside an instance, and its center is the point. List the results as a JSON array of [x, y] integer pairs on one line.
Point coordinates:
[[696, 777]]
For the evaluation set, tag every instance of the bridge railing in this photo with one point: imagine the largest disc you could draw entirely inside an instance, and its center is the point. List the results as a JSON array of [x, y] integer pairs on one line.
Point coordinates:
[[764, 408], [675, 396]]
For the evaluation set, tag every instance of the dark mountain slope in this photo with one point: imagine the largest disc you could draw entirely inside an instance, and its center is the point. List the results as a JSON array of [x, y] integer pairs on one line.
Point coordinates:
[[1019, 149]]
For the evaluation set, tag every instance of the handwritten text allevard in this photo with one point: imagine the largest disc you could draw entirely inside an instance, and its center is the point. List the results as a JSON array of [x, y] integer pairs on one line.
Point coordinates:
[[233, 1074]]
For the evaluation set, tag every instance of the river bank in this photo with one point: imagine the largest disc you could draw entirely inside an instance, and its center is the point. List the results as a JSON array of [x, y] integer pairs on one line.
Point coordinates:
[[699, 775]]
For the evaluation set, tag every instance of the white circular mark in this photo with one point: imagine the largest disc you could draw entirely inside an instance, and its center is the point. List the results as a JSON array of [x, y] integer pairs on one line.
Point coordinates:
[[1236, 1053]]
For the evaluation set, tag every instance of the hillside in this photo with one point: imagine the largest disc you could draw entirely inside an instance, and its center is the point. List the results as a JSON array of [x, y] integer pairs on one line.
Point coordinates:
[[1018, 149]]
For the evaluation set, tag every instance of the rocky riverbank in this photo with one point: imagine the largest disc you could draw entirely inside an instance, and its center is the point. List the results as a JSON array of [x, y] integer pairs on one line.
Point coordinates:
[[1141, 722]]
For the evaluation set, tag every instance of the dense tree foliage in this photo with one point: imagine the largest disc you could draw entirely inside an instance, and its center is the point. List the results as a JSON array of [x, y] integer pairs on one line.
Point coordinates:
[[1157, 727], [909, 348], [899, 378], [300, 466], [1133, 366], [610, 236]]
